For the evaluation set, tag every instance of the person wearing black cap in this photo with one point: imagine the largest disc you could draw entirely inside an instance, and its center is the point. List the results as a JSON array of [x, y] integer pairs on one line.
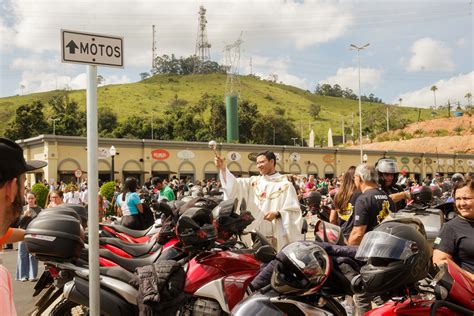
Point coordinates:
[[12, 177]]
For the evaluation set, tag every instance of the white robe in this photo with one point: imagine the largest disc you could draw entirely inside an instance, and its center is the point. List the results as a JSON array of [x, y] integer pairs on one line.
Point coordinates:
[[265, 194]]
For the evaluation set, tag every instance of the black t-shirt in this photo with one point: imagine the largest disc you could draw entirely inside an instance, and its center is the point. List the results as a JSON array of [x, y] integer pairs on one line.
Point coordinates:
[[456, 238], [346, 226], [395, 189], [372, 207]]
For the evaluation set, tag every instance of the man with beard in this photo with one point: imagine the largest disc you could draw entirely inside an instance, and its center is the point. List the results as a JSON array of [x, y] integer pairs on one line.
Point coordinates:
[[12, 177]]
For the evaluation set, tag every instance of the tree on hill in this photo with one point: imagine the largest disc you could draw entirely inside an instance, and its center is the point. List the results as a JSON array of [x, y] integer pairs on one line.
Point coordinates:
[[262, 130], [248, 114], [28, 122], [434, 88], [72, 121], [468, 96], [166, 64], [314, 110], [107, 121], [336, 91]]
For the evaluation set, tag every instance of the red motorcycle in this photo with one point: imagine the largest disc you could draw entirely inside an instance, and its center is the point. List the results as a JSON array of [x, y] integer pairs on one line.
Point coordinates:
[[453, 290], [127, 234]]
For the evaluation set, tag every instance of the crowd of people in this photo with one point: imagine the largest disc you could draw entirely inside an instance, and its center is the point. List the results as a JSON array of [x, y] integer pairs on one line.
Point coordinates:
[[359, 200]]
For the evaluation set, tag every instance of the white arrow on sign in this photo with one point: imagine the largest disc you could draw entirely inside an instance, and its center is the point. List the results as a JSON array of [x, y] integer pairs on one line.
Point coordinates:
[[91, 49]]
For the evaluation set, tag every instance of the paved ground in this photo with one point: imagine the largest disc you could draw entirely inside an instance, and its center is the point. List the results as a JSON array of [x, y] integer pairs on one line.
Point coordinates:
[[22, 291]]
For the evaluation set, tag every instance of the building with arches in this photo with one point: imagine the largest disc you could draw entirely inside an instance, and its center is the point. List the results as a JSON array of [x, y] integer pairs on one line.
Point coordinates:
[[144, 158]]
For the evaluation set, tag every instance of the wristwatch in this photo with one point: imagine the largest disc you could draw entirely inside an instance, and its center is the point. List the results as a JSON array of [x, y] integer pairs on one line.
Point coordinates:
[[278, 215]]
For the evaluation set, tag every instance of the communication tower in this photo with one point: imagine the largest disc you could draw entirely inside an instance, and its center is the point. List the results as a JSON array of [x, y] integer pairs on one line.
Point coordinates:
[[202, 45], [153, 49]]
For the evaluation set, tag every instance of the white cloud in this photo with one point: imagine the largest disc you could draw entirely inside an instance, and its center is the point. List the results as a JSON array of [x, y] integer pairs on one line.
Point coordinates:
[[34, 28], [7, 37], [453, 89], [263, 66], [34, 81], [430, 55], [370, 78], [303, 24], [461, 42]]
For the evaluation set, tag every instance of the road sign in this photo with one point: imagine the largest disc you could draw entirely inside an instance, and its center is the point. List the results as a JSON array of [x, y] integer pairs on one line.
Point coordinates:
[[78, 173], [91, 49]]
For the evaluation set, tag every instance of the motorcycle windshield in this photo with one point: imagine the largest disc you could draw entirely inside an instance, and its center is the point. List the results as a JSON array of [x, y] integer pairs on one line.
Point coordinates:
[[382, 245]]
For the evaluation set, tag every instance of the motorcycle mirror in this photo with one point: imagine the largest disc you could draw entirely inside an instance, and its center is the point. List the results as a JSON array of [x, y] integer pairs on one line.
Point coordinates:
[[265, 254]]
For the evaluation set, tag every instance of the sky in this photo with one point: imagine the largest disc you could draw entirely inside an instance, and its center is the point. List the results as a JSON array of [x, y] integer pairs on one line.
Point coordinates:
[[414, 44]]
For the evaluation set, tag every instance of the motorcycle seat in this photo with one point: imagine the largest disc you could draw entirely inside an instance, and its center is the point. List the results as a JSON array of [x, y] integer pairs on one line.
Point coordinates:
[[118, 273], [131, 232], [135, 250], [126, 263]]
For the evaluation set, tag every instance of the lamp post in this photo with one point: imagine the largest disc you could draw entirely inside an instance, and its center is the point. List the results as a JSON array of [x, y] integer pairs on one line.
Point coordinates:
[[54, 124], [294, 140], [365, 158], [354, 47], [113, 152]]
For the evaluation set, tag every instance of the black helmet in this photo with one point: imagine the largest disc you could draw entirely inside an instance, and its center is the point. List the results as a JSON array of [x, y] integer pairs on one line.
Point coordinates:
[[195, 228], [302, 268], [228, 222], [312, 198], [421, 195], [397, 256]]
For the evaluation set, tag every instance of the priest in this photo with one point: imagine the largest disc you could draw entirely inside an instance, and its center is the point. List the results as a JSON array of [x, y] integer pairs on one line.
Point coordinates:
[[270, 197]]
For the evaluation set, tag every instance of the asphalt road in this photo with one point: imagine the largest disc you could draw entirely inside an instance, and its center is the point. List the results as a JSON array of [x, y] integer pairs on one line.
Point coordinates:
[[22, 291]]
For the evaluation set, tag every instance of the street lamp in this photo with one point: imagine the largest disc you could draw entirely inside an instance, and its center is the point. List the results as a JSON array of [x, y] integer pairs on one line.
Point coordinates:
[[354, 47], [113, 152], [365, 158], [54, 124], [294, 140]]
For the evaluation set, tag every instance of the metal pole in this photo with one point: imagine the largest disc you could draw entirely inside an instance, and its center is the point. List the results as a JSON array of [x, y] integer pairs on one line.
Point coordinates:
[[152, 119], [388, 122], [112, 176], [273, 135], [343, 132], [92, 176], [360, 111]]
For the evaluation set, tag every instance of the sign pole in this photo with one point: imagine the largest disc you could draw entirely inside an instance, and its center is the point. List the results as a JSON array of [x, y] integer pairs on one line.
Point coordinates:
[[92, 183]]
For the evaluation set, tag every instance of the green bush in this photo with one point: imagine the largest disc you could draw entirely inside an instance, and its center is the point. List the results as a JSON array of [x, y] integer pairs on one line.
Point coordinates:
[[458, 130], [107, 190], [41, 191], [441, 132]]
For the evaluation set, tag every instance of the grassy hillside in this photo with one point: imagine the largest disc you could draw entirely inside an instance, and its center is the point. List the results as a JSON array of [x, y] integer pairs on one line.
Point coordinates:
[[154, 94]]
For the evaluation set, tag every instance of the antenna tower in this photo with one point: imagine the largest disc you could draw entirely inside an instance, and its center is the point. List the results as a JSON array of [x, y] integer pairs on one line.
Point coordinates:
[[202, 45], [232, 63], [153, 50]]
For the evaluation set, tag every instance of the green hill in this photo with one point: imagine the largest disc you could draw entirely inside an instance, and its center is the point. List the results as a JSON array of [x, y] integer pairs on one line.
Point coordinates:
[[155, 93]]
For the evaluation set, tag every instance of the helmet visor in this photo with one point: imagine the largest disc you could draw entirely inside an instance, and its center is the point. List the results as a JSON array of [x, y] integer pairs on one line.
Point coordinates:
[[382, 245]]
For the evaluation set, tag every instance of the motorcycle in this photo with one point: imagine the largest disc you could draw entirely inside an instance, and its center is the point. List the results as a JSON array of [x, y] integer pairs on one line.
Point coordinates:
[[449, 293], [216, 280]]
